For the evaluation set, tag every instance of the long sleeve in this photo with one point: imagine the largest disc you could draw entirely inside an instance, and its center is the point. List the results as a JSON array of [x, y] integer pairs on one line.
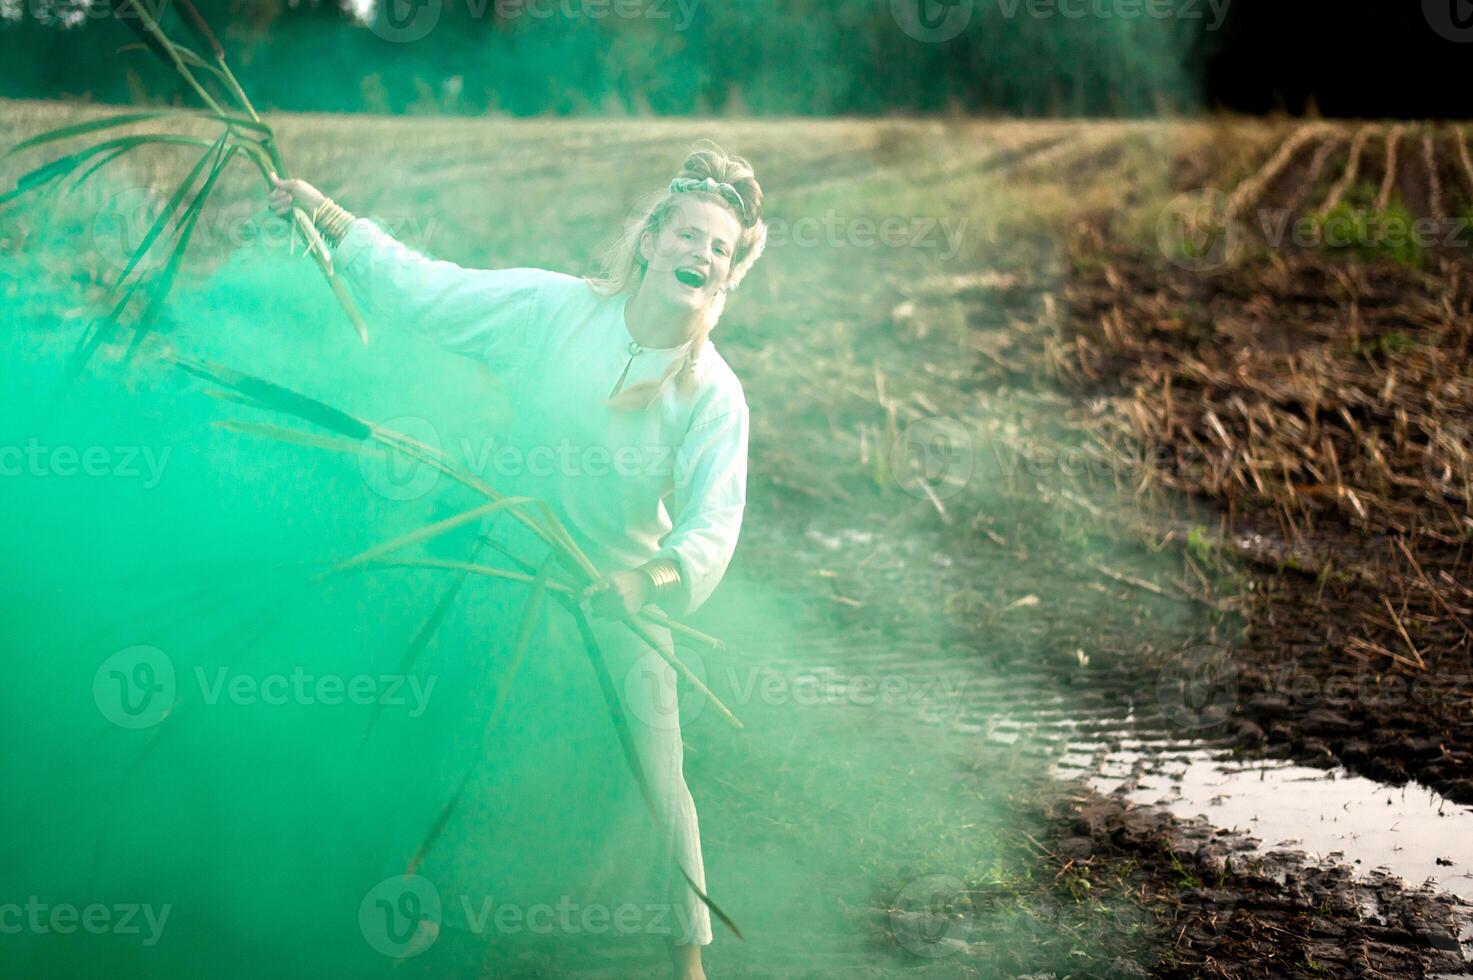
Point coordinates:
[[710, 496], [483, 313]]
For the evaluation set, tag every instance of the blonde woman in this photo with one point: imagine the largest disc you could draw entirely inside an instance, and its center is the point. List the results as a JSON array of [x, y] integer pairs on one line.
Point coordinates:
[[631, 425]]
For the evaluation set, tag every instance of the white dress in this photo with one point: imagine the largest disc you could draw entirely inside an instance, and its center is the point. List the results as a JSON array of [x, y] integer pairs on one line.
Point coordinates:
[[559, 348]]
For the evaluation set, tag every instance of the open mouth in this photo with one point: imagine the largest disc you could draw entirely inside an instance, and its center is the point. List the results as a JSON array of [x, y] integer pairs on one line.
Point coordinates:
[[691, 278]]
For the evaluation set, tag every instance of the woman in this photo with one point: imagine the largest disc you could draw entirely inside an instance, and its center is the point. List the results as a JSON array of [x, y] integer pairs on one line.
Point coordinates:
[[615, 377]]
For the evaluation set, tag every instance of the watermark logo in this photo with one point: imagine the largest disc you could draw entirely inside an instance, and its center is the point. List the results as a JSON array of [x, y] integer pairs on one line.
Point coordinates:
[[398, 475], [407, 21], [1451, 19], [932, 21], [400, 916], [1362, 229], [1196, 233], [301, 687], [135, 687], [925, 918], [933, 457], [1445, 461], [484, 914], [945, 235], [136, 230], [655, 697], [1198, 688], [122, 225]]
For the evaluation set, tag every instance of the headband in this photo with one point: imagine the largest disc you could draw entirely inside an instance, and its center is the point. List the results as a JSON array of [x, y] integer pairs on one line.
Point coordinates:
[[710, 186]]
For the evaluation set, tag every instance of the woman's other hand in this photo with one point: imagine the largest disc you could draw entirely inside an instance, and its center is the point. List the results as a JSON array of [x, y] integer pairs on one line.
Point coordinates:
[[288, 193], [627, 593]]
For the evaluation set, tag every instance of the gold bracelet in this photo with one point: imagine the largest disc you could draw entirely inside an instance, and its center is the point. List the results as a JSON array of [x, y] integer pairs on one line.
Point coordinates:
[[663, 574], [331, 220]]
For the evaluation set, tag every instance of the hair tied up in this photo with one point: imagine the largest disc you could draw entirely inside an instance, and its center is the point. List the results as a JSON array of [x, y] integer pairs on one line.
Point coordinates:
[[709, 185], [709, 170]]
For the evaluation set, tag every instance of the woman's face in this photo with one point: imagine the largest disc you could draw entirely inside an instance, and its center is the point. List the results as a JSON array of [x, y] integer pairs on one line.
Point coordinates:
[[689, 260]]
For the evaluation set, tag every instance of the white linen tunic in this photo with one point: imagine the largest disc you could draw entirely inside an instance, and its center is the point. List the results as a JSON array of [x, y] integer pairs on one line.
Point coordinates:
[[559, 348]]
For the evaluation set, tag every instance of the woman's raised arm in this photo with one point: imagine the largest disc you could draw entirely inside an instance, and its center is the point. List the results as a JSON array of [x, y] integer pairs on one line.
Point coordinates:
[[482, 313]]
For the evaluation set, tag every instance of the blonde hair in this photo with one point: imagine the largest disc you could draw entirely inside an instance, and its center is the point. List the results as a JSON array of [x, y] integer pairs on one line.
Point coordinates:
[[622, 268]]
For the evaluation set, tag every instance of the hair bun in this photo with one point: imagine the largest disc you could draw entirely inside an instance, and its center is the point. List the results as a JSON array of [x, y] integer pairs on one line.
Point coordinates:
[[708, 160]]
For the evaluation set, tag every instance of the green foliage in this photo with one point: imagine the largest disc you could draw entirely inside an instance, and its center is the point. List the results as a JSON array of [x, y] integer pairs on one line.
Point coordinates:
[[766, 57], [1200, 543], [1355, 230], [1393, 342], [1184, 877]]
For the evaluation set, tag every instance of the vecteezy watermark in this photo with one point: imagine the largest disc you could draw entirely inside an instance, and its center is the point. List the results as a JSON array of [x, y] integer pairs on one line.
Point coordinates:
[[568, 917], [815, 686], [402, 916], [411, 470], [1451, 19], [939, 456], [407, 473], [926, 918], [655, 696], [932, 21], [70, 12], [1341, 688], [120, 462], [40, 918], [942, 233], [1091, 462], [302, 687], [1445, 457], [1213, 11], [932, 457], [136, 215], [407, 21], [1198, 687], [136, 688], [1363, 229], [1197, 231]]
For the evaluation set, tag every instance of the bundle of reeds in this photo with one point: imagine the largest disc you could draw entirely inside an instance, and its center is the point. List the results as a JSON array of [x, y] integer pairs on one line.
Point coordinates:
[[241, 132], [567, 576]]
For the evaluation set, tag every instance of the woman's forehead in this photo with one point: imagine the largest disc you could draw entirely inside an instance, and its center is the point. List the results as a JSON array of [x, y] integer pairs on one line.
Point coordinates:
[[706, 215]]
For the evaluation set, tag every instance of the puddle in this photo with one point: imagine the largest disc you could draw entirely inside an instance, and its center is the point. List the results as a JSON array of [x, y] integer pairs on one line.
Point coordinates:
[[1089, 734], [1325, 813]]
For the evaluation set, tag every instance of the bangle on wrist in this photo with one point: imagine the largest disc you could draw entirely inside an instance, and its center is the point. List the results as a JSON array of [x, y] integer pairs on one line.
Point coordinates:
[[664, 576], [331, 220]]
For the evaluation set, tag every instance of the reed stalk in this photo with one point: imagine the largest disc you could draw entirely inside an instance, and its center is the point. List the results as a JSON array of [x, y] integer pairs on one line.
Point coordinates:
[[243, 133]]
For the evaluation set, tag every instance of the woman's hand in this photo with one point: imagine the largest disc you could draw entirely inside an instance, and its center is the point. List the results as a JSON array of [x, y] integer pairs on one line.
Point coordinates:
[[627, 593], [294, 192]]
